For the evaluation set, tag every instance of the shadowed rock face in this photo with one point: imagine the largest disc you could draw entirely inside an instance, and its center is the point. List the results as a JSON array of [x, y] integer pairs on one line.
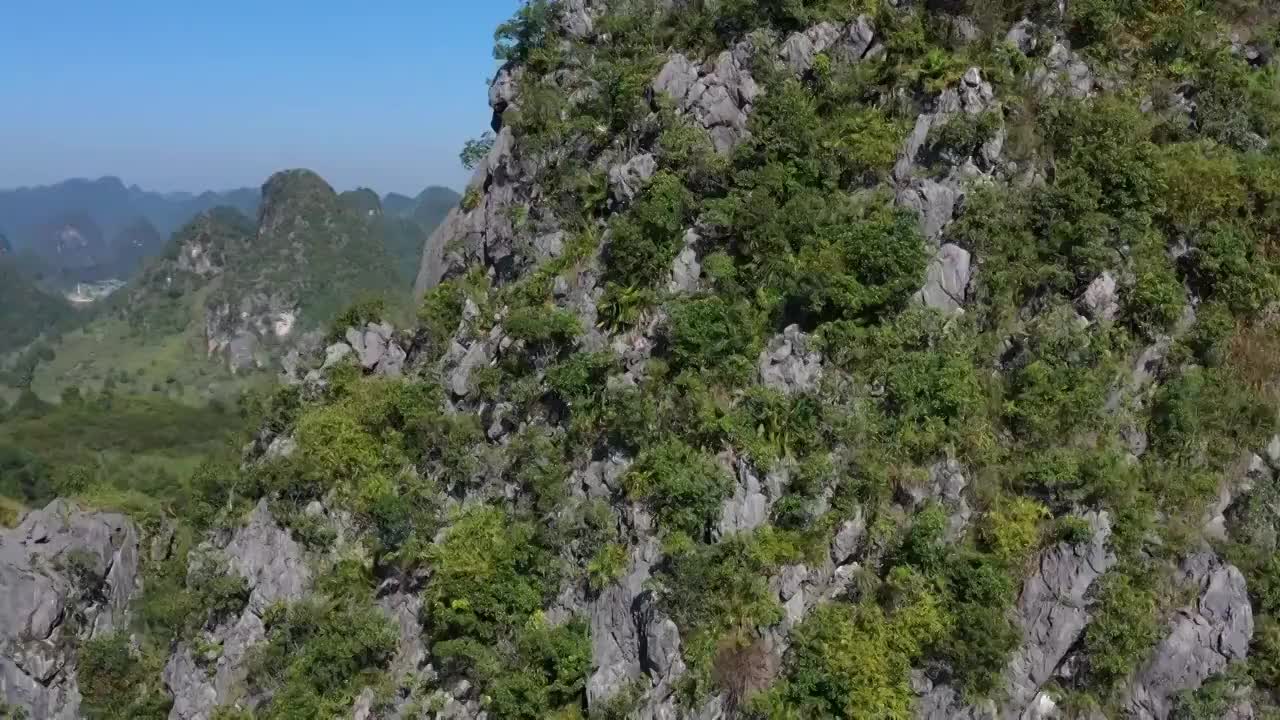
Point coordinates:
[[65, 576]]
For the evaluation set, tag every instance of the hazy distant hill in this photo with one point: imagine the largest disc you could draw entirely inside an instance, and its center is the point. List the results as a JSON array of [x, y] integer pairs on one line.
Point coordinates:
[[27, 310], [84, 230]]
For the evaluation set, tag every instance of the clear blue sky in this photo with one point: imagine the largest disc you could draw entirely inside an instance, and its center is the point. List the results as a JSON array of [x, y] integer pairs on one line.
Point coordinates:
[[194, 95]]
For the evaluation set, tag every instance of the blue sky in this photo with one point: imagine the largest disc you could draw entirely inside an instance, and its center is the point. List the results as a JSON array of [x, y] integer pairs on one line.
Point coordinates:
[[193, 95]]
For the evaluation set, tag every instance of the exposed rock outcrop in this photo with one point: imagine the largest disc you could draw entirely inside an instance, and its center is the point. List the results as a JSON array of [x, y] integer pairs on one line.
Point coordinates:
[[1053, 611], [272, 563], [65, 576], [718, 94], [1201, 640]]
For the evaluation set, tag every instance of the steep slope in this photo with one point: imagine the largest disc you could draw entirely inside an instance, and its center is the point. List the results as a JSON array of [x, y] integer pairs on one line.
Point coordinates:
[[788, 360]]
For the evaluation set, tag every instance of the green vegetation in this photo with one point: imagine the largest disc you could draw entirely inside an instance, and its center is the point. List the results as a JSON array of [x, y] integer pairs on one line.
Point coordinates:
[[584, 436]]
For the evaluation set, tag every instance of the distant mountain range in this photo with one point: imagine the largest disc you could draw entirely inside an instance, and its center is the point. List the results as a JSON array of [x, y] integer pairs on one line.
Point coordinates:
[[88, 230], [229, 293]]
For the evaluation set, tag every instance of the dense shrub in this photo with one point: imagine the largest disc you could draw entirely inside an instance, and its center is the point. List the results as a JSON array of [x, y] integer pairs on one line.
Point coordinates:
[[683, 485], [318, 654]]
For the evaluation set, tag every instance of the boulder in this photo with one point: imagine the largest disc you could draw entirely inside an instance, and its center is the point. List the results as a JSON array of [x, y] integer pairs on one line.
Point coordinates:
[[947, 279], [627, 179], [1202, 638], [1101, 300], [935, 203], [791, 363]]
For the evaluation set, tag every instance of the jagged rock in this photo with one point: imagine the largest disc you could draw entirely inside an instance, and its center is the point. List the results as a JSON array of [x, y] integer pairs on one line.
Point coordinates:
[[940, 701], [503, 92], [846, 44], [1101, 300], [748, 507], [1053, 611], [269, 558], [628, 179], [972, 96], [392, 363], [465, 361], [577, 17], [947, 279], [282, 446], [617, 630], [935, 203], [376, 338], [945, 484], [1022, 36], [602, 478], [65, 576], [272, 563], [685, 269], [790, 363], [335, 354], [848, 539], [1203, 638], [719, 96], [1064, 72]]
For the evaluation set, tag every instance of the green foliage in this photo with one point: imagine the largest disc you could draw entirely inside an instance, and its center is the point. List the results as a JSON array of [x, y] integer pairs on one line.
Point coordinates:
[[1060, 387], [487, 577], [119, 683], [713, 335], [644, 241], [543, 326], [855, 660], [1123, 629], [318, 654], [357, 315], [527, 37], [29, 312], [683, 485], [476, 150]]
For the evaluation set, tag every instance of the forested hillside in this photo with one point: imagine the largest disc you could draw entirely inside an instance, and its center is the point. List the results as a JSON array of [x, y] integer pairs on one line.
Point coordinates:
[[783, 359]]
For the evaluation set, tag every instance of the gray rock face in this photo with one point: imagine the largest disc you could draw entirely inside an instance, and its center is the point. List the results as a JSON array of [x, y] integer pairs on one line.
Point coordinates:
[[972, 96], [945, 485], [1101, 300], [844, 44], [935, 203], [1202, 638], [1064, 72], [718, 95], [272, 563], [686, 270], [790, 363], [1022, 36], [947, 279], [65, 576], [617, 629], [940, 701], [1053, 611], [463, 362], [748, 507], [479, 230], [626, 180]]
